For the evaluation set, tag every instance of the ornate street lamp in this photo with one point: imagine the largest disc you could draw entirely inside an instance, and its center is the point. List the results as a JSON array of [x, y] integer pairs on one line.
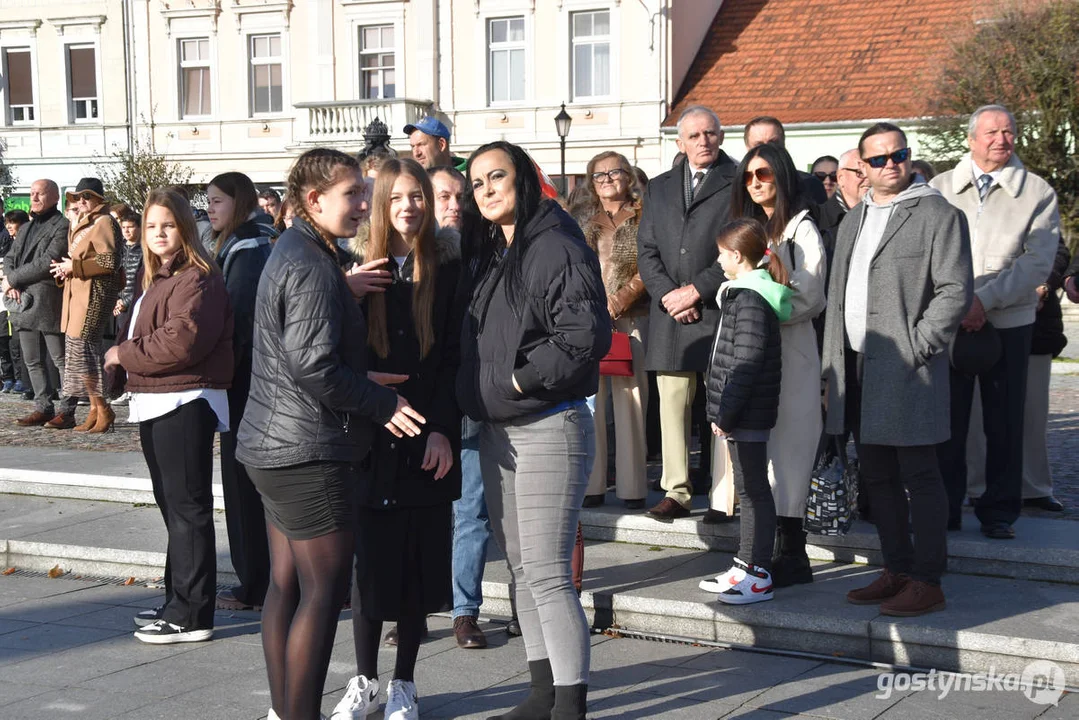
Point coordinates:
[[562, 122]]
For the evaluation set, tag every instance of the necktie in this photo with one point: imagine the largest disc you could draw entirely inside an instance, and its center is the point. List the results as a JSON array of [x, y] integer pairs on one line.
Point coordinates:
[[698, 179], [984, 183]]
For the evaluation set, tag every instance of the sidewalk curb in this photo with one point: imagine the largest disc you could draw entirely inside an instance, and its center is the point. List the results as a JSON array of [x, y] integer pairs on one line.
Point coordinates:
[[77, 486]]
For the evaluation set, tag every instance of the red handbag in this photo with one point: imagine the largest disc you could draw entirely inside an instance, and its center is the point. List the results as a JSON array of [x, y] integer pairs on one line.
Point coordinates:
[[619, 361]]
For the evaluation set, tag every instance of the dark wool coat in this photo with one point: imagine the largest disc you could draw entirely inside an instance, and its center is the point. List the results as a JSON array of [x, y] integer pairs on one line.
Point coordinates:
[[391, 475], [26, 268], [676, 246]]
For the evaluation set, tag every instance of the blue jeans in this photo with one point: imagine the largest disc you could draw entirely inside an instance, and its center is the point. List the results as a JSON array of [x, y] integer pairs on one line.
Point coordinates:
[[471, 531]]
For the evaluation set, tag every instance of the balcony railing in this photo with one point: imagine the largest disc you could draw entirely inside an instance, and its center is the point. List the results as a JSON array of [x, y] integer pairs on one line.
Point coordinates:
[[343, 121]]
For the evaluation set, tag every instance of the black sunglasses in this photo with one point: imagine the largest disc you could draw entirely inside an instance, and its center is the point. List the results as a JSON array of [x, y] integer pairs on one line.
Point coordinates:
[[822, 176], [898, 157]]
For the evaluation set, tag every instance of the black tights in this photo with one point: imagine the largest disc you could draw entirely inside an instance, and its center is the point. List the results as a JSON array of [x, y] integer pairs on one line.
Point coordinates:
[[308, 578], [367, 634]]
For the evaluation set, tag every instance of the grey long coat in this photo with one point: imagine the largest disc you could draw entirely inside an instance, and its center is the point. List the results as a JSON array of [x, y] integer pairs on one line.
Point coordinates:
[[26, 267], [921, 288], [676, 246]]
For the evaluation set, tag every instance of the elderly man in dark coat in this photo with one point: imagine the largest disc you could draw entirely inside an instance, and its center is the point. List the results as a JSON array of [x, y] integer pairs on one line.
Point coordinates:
[[28, 282], [886, 362], [683, 211]]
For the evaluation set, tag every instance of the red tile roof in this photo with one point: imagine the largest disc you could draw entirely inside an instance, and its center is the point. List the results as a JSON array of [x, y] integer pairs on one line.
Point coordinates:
[[807, 61]]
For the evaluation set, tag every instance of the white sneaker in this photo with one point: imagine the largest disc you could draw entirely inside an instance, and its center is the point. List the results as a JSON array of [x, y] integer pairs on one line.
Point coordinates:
[[748, 584], [402, 703], [272, 715], [162, 632], [719, 583], [360, 700]]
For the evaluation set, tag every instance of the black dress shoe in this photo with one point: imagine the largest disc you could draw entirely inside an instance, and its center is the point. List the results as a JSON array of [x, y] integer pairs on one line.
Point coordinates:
[[998, 531], [513, 628], [635, 504], [591, 501], [716, 517], [1048, 502]]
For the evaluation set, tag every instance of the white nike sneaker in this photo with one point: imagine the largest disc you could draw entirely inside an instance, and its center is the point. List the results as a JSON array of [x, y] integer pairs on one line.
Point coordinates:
[[360, 700], [719, 583], [402, 702], [748, 584]]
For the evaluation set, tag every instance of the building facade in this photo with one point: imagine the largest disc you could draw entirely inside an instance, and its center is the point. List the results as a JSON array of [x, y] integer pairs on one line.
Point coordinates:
[[249, 84]]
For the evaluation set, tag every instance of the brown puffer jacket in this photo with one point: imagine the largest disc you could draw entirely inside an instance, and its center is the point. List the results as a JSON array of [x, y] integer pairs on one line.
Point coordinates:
[[90, 293], [183, 334]]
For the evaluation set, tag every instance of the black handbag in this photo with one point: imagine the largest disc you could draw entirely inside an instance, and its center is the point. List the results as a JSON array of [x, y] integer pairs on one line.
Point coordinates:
[[833, 490]]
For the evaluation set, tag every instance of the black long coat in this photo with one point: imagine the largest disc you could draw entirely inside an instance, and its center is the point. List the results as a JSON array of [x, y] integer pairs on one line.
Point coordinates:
[[26, 267], [676, 246], [391, 476]]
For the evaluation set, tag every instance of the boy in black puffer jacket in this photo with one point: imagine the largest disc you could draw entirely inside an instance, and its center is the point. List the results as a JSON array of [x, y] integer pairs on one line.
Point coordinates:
[[743, 397]]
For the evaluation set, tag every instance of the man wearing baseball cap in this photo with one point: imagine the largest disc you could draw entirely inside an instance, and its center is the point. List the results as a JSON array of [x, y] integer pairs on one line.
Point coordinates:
[[430, 141]]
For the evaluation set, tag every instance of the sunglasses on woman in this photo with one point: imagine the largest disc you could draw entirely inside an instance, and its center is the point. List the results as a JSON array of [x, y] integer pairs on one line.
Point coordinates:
[[898, 157], [610, 175], [822, 176], [764, 174]]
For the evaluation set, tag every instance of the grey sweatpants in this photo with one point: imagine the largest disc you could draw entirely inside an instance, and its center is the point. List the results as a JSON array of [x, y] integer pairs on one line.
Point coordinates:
[[535, 471]]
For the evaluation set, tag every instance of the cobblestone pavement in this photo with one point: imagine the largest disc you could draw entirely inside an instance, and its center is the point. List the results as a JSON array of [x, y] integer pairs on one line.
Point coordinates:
[[1062, 437]]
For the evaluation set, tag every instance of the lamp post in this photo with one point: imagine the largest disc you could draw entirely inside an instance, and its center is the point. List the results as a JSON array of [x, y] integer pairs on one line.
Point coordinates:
[[562, 122]]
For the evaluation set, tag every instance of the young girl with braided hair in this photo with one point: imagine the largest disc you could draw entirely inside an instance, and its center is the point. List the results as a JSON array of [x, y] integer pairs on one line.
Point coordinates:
[[743, 397]]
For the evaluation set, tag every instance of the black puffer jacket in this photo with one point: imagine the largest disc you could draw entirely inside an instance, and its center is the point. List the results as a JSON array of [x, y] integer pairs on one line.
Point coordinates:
[[554, 345], [744, 374], [310, 398]]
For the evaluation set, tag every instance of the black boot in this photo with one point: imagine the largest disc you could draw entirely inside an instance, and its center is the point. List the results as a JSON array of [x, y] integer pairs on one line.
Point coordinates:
[[569, 702], [541, 700], [791, 567]]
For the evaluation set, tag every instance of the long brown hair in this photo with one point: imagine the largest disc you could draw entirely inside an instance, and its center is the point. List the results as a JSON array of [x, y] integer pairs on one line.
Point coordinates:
[[589, 203], [748, 237], [245, 200], [317, 169], [191, 253], [425, 256]]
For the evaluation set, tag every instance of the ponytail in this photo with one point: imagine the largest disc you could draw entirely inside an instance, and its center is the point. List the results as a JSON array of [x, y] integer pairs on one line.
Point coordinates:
[[749, 238], [776, 268]]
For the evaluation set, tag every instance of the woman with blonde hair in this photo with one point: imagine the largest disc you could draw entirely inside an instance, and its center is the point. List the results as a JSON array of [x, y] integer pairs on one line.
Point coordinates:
[[608, 213], [178, 360], [311, 415]]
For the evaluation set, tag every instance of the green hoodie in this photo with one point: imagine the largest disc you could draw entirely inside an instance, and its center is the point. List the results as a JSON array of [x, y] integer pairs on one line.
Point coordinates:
[[761, 282]]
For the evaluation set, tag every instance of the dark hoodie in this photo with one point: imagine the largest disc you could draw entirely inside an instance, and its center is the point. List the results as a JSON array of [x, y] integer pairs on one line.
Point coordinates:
[[552, 344]]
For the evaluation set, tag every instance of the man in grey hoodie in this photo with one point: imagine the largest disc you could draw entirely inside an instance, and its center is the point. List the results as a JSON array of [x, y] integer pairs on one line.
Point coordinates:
[[886, 362]]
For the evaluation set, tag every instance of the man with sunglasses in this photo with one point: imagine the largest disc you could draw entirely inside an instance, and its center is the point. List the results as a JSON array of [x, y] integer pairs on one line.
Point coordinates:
[[886, 363], [676, 256], [1015, 230]]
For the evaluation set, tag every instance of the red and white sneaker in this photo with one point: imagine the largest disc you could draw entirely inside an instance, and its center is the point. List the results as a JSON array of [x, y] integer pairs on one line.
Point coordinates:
[[746, 584], [720, 582]]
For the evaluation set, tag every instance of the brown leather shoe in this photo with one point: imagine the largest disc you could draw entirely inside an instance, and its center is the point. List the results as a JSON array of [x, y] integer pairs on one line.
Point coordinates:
[[468, 633], [227, 600], [886, 586], [34, 419], [917, 598], [61, 422], [668, 510]]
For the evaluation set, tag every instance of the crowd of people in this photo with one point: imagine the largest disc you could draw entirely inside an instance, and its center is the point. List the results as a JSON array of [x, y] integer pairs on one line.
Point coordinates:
[[407, 356]]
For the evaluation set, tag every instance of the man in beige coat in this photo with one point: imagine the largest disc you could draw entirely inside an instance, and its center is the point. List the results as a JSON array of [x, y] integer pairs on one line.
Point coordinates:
[[1014, 231]]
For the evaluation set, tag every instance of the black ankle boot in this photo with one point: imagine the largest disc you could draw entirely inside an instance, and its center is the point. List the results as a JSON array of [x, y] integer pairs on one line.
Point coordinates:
[[541, 699], [791, 567], [569, 702]]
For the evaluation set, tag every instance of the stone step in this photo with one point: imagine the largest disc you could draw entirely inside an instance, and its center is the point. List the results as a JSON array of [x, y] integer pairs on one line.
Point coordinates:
[[1044, 549], [990, 624]]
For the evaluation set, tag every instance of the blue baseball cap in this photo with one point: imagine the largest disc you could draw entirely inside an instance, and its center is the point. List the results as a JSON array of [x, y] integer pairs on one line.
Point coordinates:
[[430, 126]]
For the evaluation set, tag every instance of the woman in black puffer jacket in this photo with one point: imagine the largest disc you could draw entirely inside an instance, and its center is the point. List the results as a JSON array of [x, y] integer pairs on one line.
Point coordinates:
[[310, 414], [743, 386]]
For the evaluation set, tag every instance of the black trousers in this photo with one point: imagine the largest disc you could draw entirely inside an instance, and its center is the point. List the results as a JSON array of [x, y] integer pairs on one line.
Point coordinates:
[[246, 523], [749, 461], [889, 474], [178, 448], [1004, 392]]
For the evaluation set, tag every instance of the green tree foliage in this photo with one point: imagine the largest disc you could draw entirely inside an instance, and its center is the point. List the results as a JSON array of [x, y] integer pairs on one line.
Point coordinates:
[[1028, 61], [6, 179], [128, 176]]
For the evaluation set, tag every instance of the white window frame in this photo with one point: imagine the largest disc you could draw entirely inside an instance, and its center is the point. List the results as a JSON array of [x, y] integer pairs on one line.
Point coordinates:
[[252, 62], [361, 87], [591, 40], [9, 108], [210, 63], [489, 48], [72, 101]]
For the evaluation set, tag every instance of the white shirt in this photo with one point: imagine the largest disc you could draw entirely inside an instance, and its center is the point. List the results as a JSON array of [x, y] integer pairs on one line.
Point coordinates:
[[147, 406]]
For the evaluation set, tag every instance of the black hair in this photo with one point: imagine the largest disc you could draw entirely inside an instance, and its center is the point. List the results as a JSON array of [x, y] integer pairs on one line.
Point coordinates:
[[789, 199], [449, 170], [483, 239], [824, 158], [879, 129], [16, 216], [765, 120], [267, 194]]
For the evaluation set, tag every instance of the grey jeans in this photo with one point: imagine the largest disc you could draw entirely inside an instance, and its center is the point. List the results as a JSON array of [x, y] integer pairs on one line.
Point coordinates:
[[38, 348], [535, 472]]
